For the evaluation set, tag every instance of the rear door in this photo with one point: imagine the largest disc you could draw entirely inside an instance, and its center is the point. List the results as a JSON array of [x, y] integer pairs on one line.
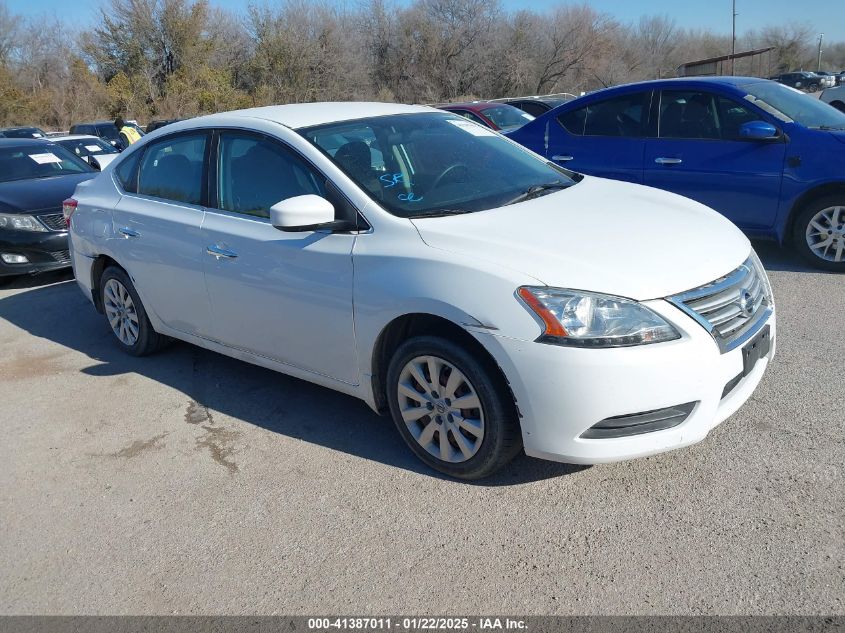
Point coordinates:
[[698, 153], [157, 227], [604, 138], [282, 295]]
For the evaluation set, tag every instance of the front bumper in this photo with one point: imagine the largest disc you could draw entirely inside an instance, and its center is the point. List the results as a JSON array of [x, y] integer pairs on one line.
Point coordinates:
[[563, 391], [44, 251]]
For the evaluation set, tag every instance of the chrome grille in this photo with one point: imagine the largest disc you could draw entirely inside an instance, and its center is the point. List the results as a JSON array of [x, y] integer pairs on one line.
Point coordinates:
[[53, 221], [730, 307]]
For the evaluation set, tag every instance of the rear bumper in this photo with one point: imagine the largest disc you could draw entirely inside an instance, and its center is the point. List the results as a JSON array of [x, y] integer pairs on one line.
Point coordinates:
[[562, 392], [43, 251]]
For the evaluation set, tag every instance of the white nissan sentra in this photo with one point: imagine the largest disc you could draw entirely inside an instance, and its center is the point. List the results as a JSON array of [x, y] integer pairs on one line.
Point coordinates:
[[486, 298]]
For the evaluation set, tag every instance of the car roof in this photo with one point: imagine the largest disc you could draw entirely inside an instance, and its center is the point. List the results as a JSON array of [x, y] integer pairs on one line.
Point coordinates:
[[93, 123], [23, 142], [474, 106], [73, 137], [675, 82], [302, 115]]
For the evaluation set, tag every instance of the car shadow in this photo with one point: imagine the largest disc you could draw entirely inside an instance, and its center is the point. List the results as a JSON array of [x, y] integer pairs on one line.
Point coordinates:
[[52, 307], [783, 258]]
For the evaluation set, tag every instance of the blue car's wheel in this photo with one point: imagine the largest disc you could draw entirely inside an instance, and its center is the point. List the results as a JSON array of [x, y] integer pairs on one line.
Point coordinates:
[[820, 233]]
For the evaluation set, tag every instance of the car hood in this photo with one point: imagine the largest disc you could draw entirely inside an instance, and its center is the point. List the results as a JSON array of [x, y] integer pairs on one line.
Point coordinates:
[[38, 194], [600, 235]]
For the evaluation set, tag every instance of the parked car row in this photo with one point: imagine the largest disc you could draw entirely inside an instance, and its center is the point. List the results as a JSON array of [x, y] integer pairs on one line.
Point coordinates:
[[671, 306], [809, 81]]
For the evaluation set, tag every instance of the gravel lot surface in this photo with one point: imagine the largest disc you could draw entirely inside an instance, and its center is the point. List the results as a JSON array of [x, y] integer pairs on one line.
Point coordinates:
[[188, 482]]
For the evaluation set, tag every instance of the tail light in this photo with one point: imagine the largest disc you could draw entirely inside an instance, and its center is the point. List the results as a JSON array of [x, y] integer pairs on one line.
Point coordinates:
[[68, 207]]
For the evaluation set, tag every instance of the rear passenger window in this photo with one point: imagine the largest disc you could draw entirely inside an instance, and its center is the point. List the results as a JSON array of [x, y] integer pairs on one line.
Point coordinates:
[[172, 169], [625, 115]]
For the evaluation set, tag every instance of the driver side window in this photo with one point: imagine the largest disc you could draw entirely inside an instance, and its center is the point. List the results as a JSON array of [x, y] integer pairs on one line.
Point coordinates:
[[254, 173]]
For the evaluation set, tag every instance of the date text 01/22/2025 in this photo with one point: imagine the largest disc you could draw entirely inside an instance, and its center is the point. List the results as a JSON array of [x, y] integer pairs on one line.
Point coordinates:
[[416, 624]]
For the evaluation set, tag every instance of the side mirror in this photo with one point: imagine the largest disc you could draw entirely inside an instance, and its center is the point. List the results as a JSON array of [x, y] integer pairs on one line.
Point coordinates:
[[93, 162], [306, 213], [758, 131]]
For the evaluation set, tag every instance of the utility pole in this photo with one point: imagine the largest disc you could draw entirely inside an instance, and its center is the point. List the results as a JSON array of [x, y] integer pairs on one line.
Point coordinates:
[[821, 39], [733, 39]]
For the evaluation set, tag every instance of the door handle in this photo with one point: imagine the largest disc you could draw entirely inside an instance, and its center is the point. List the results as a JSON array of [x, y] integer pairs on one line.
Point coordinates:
[[668, 161], [127, 233], [216, 251], [562, 158]]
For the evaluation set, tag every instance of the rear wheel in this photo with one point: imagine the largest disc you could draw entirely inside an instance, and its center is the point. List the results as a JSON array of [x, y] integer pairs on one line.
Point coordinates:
[[126, 315], [453, 410], [820, 233]]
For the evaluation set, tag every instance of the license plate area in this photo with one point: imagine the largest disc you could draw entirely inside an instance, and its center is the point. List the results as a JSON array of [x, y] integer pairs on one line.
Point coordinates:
[[755, 349]]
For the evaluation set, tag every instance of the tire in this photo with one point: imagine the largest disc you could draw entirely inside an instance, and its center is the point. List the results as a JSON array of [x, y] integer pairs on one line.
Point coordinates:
[[839, 106], [479, 440], [138, 338], [820, 213]]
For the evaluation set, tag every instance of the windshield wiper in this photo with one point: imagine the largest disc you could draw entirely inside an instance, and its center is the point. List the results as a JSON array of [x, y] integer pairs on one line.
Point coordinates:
[[830, 128], [439, 213], [536, 190]]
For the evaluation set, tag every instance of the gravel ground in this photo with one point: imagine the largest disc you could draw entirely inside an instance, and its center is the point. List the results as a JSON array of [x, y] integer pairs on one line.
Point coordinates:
[[190, 483]]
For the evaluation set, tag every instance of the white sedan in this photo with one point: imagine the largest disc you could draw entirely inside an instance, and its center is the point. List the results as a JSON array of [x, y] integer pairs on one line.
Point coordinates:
[[835, 97], [484, 297], [92, 149]]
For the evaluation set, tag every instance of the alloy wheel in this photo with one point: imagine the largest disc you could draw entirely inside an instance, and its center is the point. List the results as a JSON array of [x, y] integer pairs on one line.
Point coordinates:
[[441, 408], [825, 234], [121, 312]]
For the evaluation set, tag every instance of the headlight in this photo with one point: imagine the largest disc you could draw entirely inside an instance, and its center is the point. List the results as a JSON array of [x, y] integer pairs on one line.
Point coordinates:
[[20, 223], [586, 319]]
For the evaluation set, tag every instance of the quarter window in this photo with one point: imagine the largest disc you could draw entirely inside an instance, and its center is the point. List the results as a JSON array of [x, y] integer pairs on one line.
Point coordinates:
[[254, 173], [172, 169]]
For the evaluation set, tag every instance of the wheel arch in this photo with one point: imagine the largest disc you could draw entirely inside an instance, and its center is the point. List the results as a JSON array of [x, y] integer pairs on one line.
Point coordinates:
[[101, 262], [808, 197], [412, 324]]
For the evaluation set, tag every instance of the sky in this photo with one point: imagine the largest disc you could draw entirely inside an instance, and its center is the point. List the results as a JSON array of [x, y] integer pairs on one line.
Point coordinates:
[[825, 16]]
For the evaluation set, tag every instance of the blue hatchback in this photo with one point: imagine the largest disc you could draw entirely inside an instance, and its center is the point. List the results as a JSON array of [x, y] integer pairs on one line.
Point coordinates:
[[766, 156]]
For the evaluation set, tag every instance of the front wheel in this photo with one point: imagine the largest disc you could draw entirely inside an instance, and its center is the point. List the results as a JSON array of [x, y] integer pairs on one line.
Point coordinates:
[[820, 233], [453, 409]]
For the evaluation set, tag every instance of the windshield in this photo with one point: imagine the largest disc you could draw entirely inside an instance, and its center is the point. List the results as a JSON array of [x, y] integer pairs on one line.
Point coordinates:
[[108, 131], [418, 165], [507, 117], [789, 105], [85, 147], [38, 161]]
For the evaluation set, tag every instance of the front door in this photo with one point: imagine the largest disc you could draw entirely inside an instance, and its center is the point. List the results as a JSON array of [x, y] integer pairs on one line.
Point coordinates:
[[698, 153], [284, 296]]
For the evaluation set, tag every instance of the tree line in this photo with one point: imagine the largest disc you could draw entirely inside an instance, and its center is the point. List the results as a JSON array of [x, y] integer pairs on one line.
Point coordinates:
[[148, 59]]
